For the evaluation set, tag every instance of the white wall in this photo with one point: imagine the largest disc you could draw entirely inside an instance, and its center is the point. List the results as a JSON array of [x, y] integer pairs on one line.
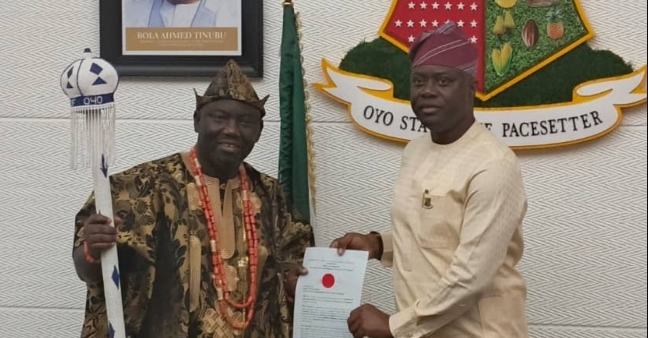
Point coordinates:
[[585, 257]]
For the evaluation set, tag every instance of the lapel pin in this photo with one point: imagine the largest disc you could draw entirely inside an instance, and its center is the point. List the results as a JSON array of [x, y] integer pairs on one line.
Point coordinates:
[[427, 200]]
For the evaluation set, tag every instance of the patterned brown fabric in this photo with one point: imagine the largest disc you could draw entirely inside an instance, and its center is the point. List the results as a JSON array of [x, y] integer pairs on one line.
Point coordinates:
[[231, 83], [158, 202]]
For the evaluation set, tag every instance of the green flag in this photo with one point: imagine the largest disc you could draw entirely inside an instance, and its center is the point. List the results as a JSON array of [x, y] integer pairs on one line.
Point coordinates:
[[293, 145]]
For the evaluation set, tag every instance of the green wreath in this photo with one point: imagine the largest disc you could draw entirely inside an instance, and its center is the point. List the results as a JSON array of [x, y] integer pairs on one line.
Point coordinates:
[[551, 84]]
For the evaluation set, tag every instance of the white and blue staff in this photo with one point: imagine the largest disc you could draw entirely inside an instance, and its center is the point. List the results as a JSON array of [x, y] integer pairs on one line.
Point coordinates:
[[90, 83]]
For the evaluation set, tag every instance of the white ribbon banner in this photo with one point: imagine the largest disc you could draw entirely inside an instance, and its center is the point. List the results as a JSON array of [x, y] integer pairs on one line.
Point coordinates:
[[594, 111]]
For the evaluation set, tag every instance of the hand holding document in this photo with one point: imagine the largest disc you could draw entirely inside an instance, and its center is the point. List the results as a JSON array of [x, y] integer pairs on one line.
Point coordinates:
[[328, 293]]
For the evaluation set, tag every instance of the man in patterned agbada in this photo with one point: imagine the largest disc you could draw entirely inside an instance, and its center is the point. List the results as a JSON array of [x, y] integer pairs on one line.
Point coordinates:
[[208, 246], [459, 203]]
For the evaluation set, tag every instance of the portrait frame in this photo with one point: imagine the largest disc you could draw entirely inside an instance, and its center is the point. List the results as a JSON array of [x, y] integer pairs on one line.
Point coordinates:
[[111, 47]]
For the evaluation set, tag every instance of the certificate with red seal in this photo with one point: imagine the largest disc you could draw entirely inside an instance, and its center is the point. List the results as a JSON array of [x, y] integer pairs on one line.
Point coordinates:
[[328, 293]]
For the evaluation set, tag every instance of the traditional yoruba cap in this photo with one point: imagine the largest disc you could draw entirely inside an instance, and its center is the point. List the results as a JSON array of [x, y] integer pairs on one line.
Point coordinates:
[[446, 46], [90, 84], [231, 83]]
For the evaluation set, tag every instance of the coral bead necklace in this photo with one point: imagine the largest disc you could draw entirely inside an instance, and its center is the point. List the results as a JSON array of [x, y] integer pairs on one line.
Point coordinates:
[[249, 235]]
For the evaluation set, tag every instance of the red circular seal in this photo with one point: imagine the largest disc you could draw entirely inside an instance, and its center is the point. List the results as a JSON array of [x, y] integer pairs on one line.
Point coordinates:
[[328, 281]]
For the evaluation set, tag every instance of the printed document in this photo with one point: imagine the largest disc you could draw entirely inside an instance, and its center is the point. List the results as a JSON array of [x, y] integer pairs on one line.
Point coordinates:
[[325, 297]]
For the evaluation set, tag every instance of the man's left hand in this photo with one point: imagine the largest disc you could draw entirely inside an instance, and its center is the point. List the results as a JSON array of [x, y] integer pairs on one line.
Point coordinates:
[[290, 274], [368, 321]]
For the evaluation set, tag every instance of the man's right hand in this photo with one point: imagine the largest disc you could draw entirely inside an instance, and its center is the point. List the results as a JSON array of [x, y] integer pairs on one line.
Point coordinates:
[[356, 241], [99, 234]]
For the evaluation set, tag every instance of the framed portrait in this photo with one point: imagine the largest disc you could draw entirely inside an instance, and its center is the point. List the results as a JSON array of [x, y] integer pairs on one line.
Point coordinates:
[[181, 37]]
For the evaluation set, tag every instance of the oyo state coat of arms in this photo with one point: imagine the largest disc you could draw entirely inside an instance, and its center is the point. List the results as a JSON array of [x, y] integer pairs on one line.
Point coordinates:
[[539, 84]]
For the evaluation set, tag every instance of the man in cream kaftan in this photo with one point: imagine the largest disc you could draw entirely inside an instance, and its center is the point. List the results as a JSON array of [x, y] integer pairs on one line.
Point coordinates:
[[453, 249], [459, 203]]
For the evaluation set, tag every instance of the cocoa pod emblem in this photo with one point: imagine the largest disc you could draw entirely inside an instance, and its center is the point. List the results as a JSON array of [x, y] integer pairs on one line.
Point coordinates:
[[530, 33]]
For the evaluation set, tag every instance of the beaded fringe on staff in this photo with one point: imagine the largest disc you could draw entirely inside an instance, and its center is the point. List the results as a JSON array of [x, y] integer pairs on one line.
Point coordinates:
[[93, 134], [93, 145]]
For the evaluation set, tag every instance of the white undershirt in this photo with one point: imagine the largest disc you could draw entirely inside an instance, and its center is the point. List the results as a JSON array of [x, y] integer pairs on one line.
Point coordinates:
[[178, 15]]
